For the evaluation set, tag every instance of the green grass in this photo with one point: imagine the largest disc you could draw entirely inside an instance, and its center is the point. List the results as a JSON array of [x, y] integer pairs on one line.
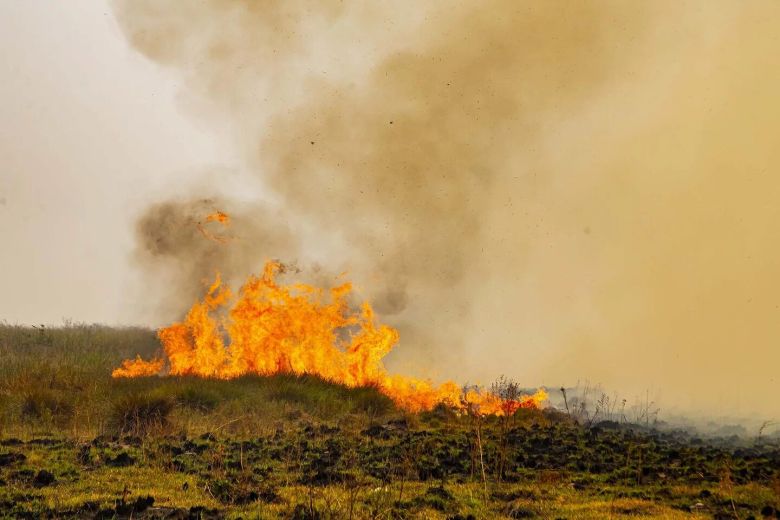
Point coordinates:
[[300, 447]]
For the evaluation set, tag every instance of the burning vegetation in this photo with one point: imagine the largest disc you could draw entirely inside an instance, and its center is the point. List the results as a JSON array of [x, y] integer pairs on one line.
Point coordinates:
[[272, 328]]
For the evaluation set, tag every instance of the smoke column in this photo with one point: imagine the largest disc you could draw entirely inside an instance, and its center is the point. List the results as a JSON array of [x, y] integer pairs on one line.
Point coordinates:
[[553, 190]]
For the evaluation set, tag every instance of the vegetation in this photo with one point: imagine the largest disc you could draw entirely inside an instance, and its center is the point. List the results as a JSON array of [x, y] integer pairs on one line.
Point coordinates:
[[75, 443]]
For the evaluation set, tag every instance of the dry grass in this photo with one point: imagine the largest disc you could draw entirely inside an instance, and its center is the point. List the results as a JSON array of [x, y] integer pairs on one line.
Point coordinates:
[[58, 379]]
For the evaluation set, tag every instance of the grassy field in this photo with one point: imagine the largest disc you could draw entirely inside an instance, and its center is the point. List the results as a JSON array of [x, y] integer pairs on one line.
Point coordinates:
[[75, 443]]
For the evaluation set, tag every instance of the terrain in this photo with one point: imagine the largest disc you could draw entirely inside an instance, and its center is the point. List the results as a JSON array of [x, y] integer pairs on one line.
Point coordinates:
[[76, 443]]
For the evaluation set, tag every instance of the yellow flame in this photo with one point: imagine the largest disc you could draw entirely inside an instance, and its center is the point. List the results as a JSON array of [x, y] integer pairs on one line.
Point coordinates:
[[218, 216], [300, 329]]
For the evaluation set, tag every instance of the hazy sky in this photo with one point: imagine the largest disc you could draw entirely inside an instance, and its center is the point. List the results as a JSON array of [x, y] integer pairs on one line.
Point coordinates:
[[88, 129], [558, 191]]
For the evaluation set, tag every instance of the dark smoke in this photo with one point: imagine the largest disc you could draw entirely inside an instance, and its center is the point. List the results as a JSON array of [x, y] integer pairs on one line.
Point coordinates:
[[182, 252]]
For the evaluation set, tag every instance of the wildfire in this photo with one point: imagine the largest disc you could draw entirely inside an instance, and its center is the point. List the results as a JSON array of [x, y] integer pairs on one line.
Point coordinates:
[[299, 329]]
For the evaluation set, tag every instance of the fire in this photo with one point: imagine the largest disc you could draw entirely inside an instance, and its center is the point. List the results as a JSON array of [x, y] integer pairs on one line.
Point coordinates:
[[218, 217], [299, 329]]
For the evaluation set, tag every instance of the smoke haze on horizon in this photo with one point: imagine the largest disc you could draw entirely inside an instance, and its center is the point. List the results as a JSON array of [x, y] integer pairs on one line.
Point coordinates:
[[553, 191]]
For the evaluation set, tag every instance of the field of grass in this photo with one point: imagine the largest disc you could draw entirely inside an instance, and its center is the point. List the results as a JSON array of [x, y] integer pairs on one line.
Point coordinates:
[[75, 443]]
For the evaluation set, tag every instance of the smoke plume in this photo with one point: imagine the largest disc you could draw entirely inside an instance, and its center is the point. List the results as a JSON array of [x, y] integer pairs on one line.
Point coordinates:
[[182, 250], [538, 188]]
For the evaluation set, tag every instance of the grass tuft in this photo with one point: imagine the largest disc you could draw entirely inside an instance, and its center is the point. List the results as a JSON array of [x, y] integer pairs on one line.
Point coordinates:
[[141, 414], [370, 401], [198, 398], [47, 406]]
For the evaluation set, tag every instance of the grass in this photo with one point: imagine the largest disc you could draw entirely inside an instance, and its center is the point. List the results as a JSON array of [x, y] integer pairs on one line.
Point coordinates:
[[299, 447], [55, 380]]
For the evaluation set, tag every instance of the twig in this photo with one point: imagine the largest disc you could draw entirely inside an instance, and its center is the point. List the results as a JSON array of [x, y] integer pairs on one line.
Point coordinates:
[[229, 422]]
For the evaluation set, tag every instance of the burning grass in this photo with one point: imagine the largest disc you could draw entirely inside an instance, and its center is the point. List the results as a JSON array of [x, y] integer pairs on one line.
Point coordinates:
[[299, 329]]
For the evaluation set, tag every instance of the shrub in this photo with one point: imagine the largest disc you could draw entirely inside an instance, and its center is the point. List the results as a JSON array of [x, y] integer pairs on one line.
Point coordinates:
[[140, 414]]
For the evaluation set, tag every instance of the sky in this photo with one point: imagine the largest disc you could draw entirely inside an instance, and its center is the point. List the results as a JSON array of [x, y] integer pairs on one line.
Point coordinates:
[[88, 129], [560, 192]]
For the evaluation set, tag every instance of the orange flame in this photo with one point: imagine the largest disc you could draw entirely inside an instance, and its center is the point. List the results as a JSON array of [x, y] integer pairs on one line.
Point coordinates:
[[219, 217], [300, 329]]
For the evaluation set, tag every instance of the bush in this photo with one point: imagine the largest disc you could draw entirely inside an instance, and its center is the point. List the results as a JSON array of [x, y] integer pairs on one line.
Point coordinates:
[[140, 414]]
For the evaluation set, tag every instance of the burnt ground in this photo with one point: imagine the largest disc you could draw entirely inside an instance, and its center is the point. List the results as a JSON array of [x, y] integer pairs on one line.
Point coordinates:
[[424, 467]]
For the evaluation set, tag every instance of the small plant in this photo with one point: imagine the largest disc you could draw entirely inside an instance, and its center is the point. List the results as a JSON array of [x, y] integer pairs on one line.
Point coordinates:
[[140, 414], [477, 419], [508, 391], [726, 484]]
